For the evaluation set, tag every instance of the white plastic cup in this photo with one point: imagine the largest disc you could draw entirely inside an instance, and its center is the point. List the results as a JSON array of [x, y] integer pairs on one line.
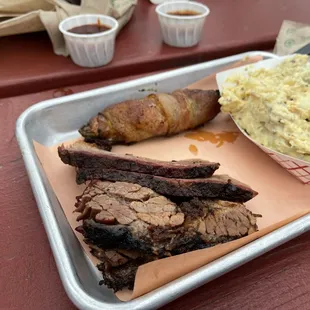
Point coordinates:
[[181, 31], [90, 50]]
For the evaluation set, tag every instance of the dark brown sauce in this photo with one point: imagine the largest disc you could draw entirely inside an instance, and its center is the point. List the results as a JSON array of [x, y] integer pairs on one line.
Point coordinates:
[[215, 138], [90, 29], [184, 13], [193, 149]]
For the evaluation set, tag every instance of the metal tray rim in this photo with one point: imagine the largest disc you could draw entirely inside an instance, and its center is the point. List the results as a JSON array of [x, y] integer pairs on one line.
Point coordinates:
[[102, 90], [166, 293]]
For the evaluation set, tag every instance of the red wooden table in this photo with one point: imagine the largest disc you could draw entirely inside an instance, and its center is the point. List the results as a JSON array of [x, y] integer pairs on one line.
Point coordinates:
[[28, 64], [29, 279]]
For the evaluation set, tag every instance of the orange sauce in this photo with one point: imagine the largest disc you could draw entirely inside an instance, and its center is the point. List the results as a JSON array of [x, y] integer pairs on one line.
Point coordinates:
[[193, 149], [215, 138]]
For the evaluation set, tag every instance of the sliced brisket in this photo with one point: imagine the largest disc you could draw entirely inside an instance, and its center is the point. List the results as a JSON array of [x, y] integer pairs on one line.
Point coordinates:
[[119, 277], [119, 267], [85, 155], [127, 225], [216, 187]]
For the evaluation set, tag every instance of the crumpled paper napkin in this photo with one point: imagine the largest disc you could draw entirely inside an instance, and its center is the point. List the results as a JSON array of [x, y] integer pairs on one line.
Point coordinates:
[[23, 16], [292, 37]]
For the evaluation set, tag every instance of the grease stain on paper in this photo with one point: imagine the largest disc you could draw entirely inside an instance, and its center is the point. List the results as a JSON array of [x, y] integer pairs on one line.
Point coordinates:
[[215, 138], [193, 149]]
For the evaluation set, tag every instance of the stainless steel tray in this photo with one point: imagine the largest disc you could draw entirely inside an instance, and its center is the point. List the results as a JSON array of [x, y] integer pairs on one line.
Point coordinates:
[[57, 120]]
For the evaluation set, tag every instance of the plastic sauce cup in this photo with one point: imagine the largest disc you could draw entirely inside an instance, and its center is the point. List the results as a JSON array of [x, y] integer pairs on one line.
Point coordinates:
[[90, 50], [182, 30]]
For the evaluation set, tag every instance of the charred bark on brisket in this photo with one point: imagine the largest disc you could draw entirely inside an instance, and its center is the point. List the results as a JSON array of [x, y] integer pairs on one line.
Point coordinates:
[[119, 267], [119, 277], [216, 187], [83, 155]]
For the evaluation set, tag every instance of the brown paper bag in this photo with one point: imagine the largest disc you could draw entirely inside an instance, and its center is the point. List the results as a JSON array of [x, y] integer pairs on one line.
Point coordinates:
[[15, 7], [281, 199], [292, 37], [31, 16]]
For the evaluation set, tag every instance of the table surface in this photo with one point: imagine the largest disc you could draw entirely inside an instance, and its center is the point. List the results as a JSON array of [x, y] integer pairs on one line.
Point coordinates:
[[29, 278], [232, 27]]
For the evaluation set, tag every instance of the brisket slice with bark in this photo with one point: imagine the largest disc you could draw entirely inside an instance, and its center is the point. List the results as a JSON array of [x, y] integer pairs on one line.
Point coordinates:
[[216, 187], [127, 225], [85, 155], [119, 267]]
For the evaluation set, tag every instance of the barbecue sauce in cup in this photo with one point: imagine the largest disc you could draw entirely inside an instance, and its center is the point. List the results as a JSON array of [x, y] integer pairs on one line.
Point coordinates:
[[90, 28], [184, 13]]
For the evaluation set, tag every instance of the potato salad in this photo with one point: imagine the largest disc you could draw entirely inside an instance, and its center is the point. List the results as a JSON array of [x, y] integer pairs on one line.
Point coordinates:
[[273, 105]]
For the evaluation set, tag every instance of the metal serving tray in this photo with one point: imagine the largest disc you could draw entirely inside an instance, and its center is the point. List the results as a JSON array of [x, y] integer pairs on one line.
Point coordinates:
[[57, 120]]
